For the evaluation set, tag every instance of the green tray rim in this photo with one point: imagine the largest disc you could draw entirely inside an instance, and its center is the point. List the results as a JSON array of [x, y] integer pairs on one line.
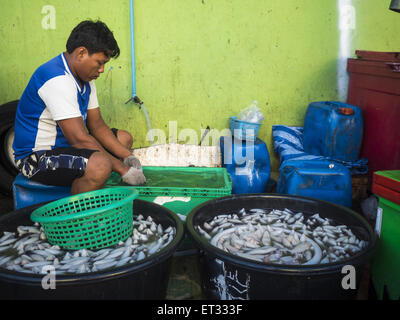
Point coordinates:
[[388, 203], [226, 190]]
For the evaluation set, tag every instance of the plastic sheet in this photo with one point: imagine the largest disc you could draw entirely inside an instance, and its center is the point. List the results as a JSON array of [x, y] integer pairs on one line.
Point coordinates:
[[288, 143]]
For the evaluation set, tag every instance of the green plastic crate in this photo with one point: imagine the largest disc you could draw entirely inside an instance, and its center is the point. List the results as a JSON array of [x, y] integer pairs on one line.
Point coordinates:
[[385, 265], [181, 189]]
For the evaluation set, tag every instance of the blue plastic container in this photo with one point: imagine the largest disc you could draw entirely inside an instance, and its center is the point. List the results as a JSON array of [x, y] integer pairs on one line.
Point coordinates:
[[334, 130], [27, 192], [318, 179], [248, 164], [244, 130]]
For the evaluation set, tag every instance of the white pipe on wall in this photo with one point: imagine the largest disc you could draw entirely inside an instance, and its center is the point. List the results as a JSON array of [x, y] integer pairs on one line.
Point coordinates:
[[346, 25]]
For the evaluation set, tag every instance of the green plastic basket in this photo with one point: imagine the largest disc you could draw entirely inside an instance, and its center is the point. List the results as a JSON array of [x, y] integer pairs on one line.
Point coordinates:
[[90, 220]]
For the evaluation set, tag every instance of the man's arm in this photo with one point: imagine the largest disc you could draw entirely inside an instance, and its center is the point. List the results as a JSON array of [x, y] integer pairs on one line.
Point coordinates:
[[103, 134], [75, 132]]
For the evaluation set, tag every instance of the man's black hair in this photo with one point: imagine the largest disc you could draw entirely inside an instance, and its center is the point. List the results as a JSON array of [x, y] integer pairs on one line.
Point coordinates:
[[95, 37]]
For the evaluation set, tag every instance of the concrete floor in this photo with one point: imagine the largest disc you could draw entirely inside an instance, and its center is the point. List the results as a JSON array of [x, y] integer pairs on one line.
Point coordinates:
[[184, 282], [185, 277]]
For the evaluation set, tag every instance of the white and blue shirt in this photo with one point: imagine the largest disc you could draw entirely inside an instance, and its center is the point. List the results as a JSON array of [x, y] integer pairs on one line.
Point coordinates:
[[52, 94]]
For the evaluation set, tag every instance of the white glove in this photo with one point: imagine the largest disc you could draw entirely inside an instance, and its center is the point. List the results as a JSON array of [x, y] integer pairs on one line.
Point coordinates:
[[132, 161], [134, 177]]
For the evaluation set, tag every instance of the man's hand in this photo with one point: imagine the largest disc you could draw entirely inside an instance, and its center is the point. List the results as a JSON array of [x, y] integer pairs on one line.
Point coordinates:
[[134, 177], [132, 161]]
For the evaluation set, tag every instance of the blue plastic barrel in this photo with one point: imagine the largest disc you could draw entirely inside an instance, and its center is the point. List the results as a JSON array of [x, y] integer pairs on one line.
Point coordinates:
[[318, 179], [248, 164], [334, 130]]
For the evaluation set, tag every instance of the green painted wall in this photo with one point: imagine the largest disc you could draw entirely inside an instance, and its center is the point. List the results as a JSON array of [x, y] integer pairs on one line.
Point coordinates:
[[200, 61]]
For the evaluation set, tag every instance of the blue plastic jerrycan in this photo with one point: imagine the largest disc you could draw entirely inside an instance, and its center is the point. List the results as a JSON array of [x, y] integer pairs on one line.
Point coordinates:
[[248, 164], [318, 179], [333, 130]]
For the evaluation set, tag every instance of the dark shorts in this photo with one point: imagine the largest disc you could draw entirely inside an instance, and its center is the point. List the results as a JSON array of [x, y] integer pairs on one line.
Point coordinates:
[[57, 167]]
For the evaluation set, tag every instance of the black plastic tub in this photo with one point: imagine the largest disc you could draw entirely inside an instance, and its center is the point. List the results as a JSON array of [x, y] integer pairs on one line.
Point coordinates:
[[147, 279], [226, 276]]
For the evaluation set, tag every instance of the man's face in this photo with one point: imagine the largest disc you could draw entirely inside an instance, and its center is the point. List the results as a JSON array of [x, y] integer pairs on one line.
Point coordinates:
[[91, 65]]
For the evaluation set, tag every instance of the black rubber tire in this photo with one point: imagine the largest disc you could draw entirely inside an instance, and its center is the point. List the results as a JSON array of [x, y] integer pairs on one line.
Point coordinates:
[[7, 169], [6, 155]]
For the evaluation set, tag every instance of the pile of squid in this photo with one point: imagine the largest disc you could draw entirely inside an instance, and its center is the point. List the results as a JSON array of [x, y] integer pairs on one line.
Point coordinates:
[[28, 250], [281, 237]]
